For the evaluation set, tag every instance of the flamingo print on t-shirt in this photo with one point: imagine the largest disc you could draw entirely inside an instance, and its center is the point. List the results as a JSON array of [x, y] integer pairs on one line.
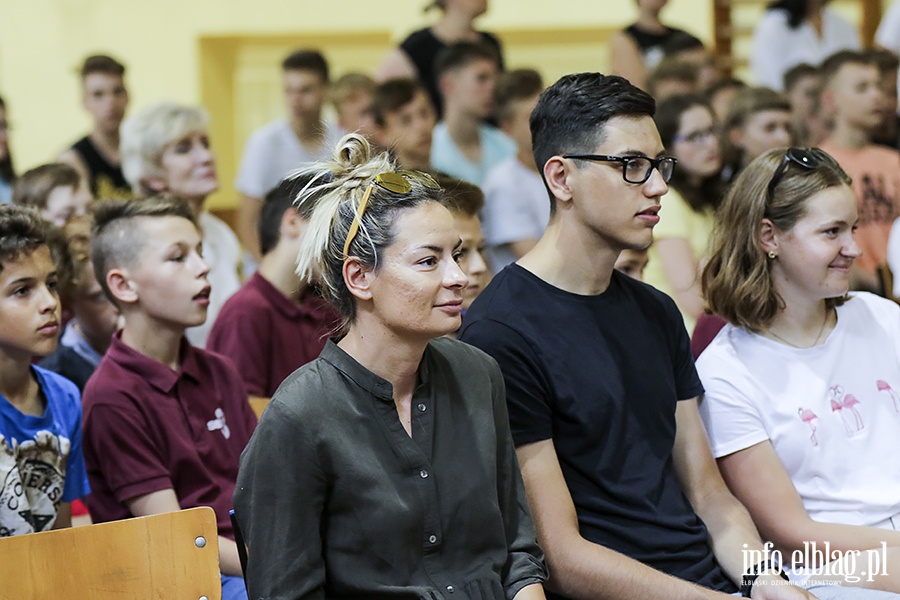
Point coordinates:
[[884, 386], [845, 406], [830, 412], [808, 416]]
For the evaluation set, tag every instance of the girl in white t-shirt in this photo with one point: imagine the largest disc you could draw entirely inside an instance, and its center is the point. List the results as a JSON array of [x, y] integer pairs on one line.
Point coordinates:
[[802, 401]]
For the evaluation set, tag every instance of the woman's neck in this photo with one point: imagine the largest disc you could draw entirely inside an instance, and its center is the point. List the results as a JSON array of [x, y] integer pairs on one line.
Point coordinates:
[[648, 20], [802, 325], [385, 353], [454, 26]]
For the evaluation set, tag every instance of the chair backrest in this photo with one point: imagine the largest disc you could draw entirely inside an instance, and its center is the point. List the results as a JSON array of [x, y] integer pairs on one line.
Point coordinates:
[[170, 555], [258, 405]]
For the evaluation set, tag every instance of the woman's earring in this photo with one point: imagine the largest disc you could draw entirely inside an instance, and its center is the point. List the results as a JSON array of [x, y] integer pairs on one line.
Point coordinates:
[[772, 254]]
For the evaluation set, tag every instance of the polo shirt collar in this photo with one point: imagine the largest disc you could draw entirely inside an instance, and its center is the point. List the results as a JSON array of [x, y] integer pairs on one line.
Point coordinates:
[[154, 372], [366, 379], [313, 307]]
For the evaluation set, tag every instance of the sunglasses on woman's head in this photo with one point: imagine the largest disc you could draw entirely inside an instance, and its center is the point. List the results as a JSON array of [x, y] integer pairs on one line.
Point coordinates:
[[808, 158], [396, 182]]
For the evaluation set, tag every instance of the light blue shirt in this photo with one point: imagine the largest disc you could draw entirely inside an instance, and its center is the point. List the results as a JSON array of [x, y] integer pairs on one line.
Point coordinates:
[[447, 157], [72, 339], [5, 192]]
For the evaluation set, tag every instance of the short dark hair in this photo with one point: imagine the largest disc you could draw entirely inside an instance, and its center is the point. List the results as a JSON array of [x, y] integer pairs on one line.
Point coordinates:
[[462, 54], [34, 186], [513, 86], [276, 202], [460, 196], [723, 84], [306, 60], [886, 60], [102, 63], [681, 41], [571, 115], [793, 75], [117, 238], [672, 69], [837, 61], [392, 95], [22, 231]]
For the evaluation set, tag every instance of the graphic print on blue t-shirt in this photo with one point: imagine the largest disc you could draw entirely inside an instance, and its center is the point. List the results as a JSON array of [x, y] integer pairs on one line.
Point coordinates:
[[41, 460], [33, 475]]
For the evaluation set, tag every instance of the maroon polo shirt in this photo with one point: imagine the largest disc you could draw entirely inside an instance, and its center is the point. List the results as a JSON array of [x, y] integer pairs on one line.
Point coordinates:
[[268, 335], [148, 428]]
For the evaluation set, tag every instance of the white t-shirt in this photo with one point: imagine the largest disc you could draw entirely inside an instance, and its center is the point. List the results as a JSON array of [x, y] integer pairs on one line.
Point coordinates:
[[222, 252], [516, 207], [831, 412], [893, 255], [273, 151], [888, 34], [777, 47]]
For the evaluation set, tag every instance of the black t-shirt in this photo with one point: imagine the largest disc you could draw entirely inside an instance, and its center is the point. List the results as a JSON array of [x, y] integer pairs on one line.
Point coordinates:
[[601, 376], [654, 46], [422, 48], [106, 179]]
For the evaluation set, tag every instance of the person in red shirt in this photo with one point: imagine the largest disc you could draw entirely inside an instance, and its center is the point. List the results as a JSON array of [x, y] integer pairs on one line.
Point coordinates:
[[165, 422], [275, 323]]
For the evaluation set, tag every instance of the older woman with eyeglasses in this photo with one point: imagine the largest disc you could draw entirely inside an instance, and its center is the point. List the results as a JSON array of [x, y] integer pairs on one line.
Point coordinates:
[[385, 468], [802, 401]]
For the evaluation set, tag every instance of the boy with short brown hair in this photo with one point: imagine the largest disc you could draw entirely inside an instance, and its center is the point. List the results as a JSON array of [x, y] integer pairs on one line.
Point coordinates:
[[96, 155], [404, 121], [516, 208], [852, 91], [42, 467], [164, 422]]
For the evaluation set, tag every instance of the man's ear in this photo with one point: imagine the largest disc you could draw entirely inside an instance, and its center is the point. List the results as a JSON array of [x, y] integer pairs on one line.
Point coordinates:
[[121, 286], [736, 137], [556, 172], [827, 100], [358, 278], [292, 224], [445, 83], [157, 184]]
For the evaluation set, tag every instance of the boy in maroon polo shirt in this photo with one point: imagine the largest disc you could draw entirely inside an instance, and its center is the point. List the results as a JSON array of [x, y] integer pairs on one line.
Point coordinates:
[[164, 422], [275, 323]]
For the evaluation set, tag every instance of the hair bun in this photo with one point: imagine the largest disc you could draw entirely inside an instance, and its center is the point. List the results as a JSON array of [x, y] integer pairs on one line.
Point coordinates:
[[352, 151]]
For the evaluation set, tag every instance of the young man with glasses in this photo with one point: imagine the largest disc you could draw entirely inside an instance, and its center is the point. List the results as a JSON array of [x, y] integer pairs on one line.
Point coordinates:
[[601, 388]]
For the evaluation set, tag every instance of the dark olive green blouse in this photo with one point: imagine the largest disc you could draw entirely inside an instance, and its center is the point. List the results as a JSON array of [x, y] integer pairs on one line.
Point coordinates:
[[335, 500]]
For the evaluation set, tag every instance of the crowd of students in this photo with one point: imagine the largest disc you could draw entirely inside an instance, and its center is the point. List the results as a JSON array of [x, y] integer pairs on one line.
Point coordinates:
[[566, 446]]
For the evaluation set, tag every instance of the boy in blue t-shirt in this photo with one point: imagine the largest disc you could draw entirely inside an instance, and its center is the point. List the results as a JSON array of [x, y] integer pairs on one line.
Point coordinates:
[[41, 463]]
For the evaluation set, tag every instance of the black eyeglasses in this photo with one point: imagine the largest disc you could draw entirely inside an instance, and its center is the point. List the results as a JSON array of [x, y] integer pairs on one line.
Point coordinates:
[[808, 158], [635, 169], [698, 137]]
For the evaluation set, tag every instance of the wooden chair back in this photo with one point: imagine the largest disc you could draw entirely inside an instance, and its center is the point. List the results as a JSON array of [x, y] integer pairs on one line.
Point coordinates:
[[258, 405], [171, 555]]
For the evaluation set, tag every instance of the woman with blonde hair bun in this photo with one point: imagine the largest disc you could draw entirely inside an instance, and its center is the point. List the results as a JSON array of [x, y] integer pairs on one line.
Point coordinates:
[[385, 468], [802, 384]]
